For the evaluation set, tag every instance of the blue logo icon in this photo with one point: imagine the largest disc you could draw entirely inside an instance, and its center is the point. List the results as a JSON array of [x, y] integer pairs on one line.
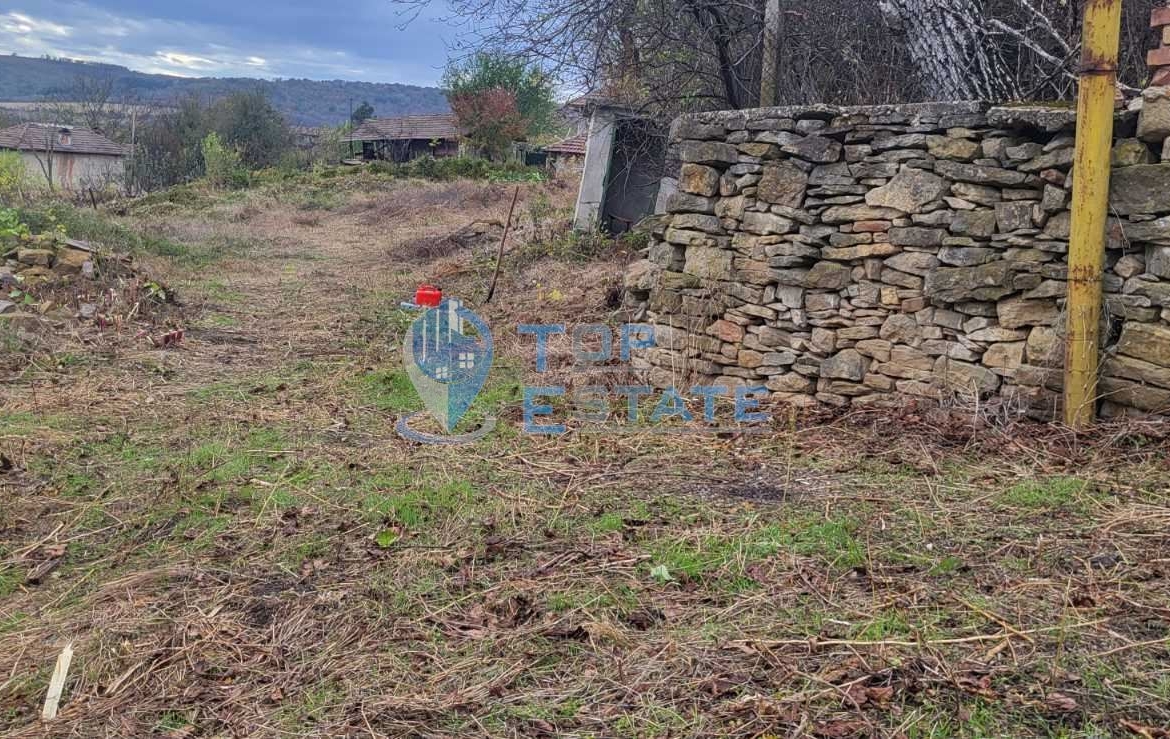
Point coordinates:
[[448, 356]]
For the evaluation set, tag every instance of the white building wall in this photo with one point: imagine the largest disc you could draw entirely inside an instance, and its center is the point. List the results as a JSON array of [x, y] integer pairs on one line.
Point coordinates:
[[74, 171]]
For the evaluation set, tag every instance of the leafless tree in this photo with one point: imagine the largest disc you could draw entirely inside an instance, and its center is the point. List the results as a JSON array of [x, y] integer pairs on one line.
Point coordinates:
[[677, 55]]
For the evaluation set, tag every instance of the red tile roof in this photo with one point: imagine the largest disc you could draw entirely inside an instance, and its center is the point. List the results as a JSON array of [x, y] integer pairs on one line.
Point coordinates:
[[412, 127], [48, 137], [574, 145]]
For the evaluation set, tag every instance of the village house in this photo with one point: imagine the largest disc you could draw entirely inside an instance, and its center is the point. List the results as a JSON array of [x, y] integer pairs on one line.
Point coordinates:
[[566, 158], [66, 157], [407, 138]]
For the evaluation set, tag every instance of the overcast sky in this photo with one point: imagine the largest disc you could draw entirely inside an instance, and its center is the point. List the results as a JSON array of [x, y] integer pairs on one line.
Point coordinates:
[[352, 40]]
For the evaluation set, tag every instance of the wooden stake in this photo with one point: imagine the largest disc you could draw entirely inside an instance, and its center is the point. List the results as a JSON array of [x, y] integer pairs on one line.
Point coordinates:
[[57, 683], [503, 240]]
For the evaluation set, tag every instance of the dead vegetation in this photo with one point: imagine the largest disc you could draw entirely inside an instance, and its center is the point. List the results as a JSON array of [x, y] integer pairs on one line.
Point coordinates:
[[236, 543]]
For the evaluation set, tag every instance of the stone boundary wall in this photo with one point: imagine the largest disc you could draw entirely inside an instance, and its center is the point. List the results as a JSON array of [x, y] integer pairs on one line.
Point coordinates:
[[866, 256]]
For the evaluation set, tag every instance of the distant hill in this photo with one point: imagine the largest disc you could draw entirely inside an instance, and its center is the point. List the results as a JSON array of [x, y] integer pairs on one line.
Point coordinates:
[[304, 102]]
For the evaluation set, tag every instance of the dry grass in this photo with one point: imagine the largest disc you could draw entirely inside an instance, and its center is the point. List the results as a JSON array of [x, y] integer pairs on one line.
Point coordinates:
[[237, 544]]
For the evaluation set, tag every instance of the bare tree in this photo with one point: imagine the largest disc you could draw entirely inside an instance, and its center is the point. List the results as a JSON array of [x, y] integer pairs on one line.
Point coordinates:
[[671, 56], [950, 45]]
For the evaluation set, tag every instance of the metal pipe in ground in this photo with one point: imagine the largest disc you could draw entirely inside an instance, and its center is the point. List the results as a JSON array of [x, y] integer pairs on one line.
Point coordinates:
[[1090, 208]]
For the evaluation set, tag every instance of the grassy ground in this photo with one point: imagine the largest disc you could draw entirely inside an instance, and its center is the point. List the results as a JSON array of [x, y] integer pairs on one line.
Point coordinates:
[[237, 543]]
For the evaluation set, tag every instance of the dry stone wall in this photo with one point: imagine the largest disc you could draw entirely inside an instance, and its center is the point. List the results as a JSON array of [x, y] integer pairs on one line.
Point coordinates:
[[866, 256]]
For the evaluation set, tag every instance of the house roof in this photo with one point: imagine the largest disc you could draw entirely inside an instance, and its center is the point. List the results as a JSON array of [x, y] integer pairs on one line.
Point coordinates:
[[574, 145], [47, 137], [411, 127]]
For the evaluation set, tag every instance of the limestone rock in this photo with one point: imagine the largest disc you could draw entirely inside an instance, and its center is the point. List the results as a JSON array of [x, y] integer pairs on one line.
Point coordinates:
[[916, 236], [946, 147], [767, 223], [1147, 342], [990, 281], [697, 222], [1154, 119], [974, 223], [709, 263], [1141, 189], [1129, 152], [966, 256], [853, 213], [1142, 397], [845, 365], [827, 276], [783, 184], [726, 331], [816, 149], [963, 377], [698, 179], [1157, 262], [979, 175], [642, 275], [35, 257], [1132, 265], [1004, 356], [900, 328], [1018, 312], [1013, 216], [1138, 370], [682, 202], [1045, 347], [909, 191], [732, 207], [708, 152], [913, 262], [862, 251]]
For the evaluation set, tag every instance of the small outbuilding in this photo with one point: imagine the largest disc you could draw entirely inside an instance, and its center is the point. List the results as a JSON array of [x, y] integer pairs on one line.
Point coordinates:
[[407, 138], [566, 158], [67, 157]]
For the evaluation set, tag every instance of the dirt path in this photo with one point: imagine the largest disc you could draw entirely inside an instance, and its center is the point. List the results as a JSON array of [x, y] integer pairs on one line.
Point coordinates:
[[237, 544]]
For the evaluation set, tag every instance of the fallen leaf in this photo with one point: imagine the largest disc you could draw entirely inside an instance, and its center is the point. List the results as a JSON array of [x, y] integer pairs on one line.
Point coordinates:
[[1060, 702]]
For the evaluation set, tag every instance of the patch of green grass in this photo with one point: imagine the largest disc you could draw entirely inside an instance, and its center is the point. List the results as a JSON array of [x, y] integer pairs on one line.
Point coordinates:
[[1054, 492], [219, 320], [832, 541], [172, 721], [388, 390], [219, 291], [417, 507], [13, 621], [10, 580], [313, 705]]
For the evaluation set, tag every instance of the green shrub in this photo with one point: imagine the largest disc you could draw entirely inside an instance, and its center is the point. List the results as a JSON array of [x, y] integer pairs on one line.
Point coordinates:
[[223, 165], [11, 225], [13, 177], [459, 168]]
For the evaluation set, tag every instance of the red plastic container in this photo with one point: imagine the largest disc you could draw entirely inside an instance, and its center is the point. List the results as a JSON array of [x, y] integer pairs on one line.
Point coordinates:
[[428, 296]]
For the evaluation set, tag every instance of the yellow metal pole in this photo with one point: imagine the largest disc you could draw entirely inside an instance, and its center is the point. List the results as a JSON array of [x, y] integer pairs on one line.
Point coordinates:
[[1090, 205]]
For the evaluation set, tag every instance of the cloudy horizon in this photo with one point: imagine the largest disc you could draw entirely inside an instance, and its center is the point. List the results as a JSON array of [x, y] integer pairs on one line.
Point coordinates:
[[373, 42]]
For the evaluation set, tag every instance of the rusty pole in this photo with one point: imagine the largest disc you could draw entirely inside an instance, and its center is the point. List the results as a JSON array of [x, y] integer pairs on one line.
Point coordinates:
[[1090, 206]]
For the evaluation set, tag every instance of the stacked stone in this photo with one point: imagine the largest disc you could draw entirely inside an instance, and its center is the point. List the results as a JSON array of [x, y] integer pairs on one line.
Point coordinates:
[[864, 255], [1159, 59]]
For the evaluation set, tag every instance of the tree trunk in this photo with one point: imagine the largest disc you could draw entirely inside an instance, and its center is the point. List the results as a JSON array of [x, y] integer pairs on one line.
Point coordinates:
[[949, 43]]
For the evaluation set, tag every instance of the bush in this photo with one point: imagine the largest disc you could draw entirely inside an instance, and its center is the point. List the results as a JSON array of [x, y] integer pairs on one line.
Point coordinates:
[[13, 177], [223, 165], [459, 168], [11, 225]]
